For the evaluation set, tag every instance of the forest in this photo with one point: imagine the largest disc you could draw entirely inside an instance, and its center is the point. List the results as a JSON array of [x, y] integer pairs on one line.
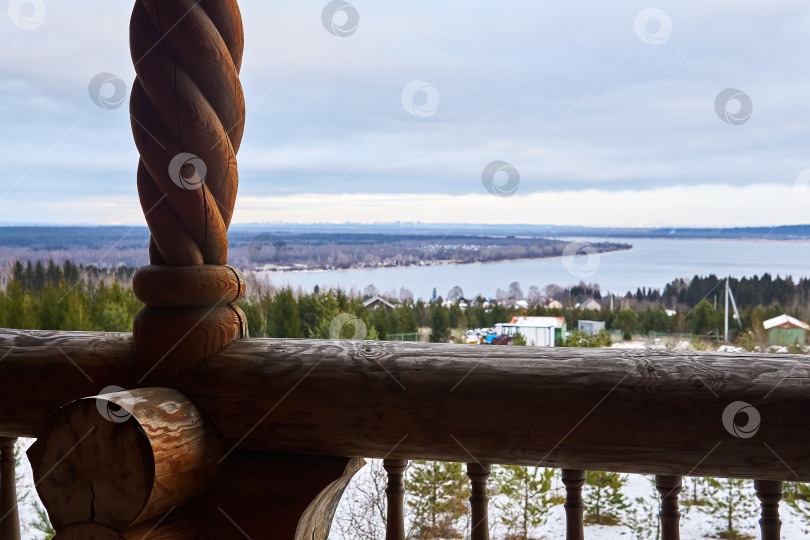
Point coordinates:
[[77, 297]]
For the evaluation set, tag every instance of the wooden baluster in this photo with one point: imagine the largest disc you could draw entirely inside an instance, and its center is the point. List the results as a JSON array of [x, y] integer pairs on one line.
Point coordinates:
[[769, 493], [669, 487], [574, 507], [395, 526], [9, 517], [479, 502]]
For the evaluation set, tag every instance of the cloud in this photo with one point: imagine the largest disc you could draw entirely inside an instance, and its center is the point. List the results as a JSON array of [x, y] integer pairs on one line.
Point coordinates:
[[568, 94], [709, 205]]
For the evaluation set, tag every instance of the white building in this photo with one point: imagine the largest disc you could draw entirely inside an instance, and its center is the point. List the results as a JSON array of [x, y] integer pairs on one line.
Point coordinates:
[[590, 327], [538, 331]]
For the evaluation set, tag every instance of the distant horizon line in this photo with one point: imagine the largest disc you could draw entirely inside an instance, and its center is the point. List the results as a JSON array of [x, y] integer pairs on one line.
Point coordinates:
[[417, 224]]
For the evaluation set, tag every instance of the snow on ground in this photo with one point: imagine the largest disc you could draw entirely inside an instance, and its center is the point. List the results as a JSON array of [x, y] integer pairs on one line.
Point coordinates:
[[694, 522], [25, 489]]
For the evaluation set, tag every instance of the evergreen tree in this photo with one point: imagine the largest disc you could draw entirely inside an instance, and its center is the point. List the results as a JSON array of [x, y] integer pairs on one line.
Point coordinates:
[[437, 494], [527, 492], [439, 323], [732, 503], [603, 497]]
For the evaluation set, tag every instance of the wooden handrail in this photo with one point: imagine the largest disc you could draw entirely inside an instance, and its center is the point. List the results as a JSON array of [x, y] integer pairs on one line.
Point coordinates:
[[649, 411]]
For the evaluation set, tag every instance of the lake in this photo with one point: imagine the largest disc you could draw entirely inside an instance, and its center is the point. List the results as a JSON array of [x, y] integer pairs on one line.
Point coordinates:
[[651, 263]]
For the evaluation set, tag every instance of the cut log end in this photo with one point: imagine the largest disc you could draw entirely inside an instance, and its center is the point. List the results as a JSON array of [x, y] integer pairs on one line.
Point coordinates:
[[119, 459]]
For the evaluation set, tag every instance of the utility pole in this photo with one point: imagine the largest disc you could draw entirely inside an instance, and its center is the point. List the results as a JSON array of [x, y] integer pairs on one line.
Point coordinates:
[[725, 334]]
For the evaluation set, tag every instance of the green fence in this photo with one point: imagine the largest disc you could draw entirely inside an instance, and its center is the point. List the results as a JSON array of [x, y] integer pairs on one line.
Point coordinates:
[[404, 337]]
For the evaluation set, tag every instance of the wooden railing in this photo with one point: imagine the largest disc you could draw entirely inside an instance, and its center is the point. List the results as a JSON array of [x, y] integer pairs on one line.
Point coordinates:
[[649, 412]]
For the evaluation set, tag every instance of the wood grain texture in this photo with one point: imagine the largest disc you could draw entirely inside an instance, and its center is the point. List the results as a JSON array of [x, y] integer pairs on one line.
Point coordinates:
[[122, 458], [188, 286], [647, 412], [9, 514], [42, 370], [187, 99], [171, 340]]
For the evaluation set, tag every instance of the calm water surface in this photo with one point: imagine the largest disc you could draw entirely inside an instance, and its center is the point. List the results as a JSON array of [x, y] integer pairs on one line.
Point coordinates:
[[651, 263]]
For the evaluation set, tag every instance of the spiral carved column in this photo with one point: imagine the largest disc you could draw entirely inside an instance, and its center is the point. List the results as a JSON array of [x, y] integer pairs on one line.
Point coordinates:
[[188, 111]]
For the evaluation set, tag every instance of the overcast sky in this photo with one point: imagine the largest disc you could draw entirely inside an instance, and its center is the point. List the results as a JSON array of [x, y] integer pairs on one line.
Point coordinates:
[[608, 112]]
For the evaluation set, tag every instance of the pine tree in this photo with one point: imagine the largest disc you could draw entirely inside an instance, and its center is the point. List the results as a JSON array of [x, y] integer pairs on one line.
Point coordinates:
[[527, 492], [603, 497], [436, 494], [731, 502]]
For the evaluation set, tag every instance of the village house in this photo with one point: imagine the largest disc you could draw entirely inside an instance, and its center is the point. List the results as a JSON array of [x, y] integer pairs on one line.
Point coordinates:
[[786, 330]]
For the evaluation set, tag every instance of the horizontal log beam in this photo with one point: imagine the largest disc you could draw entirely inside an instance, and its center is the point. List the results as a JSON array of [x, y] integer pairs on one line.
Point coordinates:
[[42, 370], [637, 411]]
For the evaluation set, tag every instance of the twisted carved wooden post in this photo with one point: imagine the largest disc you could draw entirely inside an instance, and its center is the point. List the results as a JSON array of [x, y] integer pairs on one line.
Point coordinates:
[[395, 492], [188, 112], [9, 516], [574, 507], [769, 492], [669, 487], [479, 502]]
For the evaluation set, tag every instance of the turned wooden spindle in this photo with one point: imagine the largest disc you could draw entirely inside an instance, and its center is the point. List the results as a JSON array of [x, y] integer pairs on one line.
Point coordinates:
[[395, 491], [769, 493], [9, 516], [573, 481], [669, 487], [479, 502]]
